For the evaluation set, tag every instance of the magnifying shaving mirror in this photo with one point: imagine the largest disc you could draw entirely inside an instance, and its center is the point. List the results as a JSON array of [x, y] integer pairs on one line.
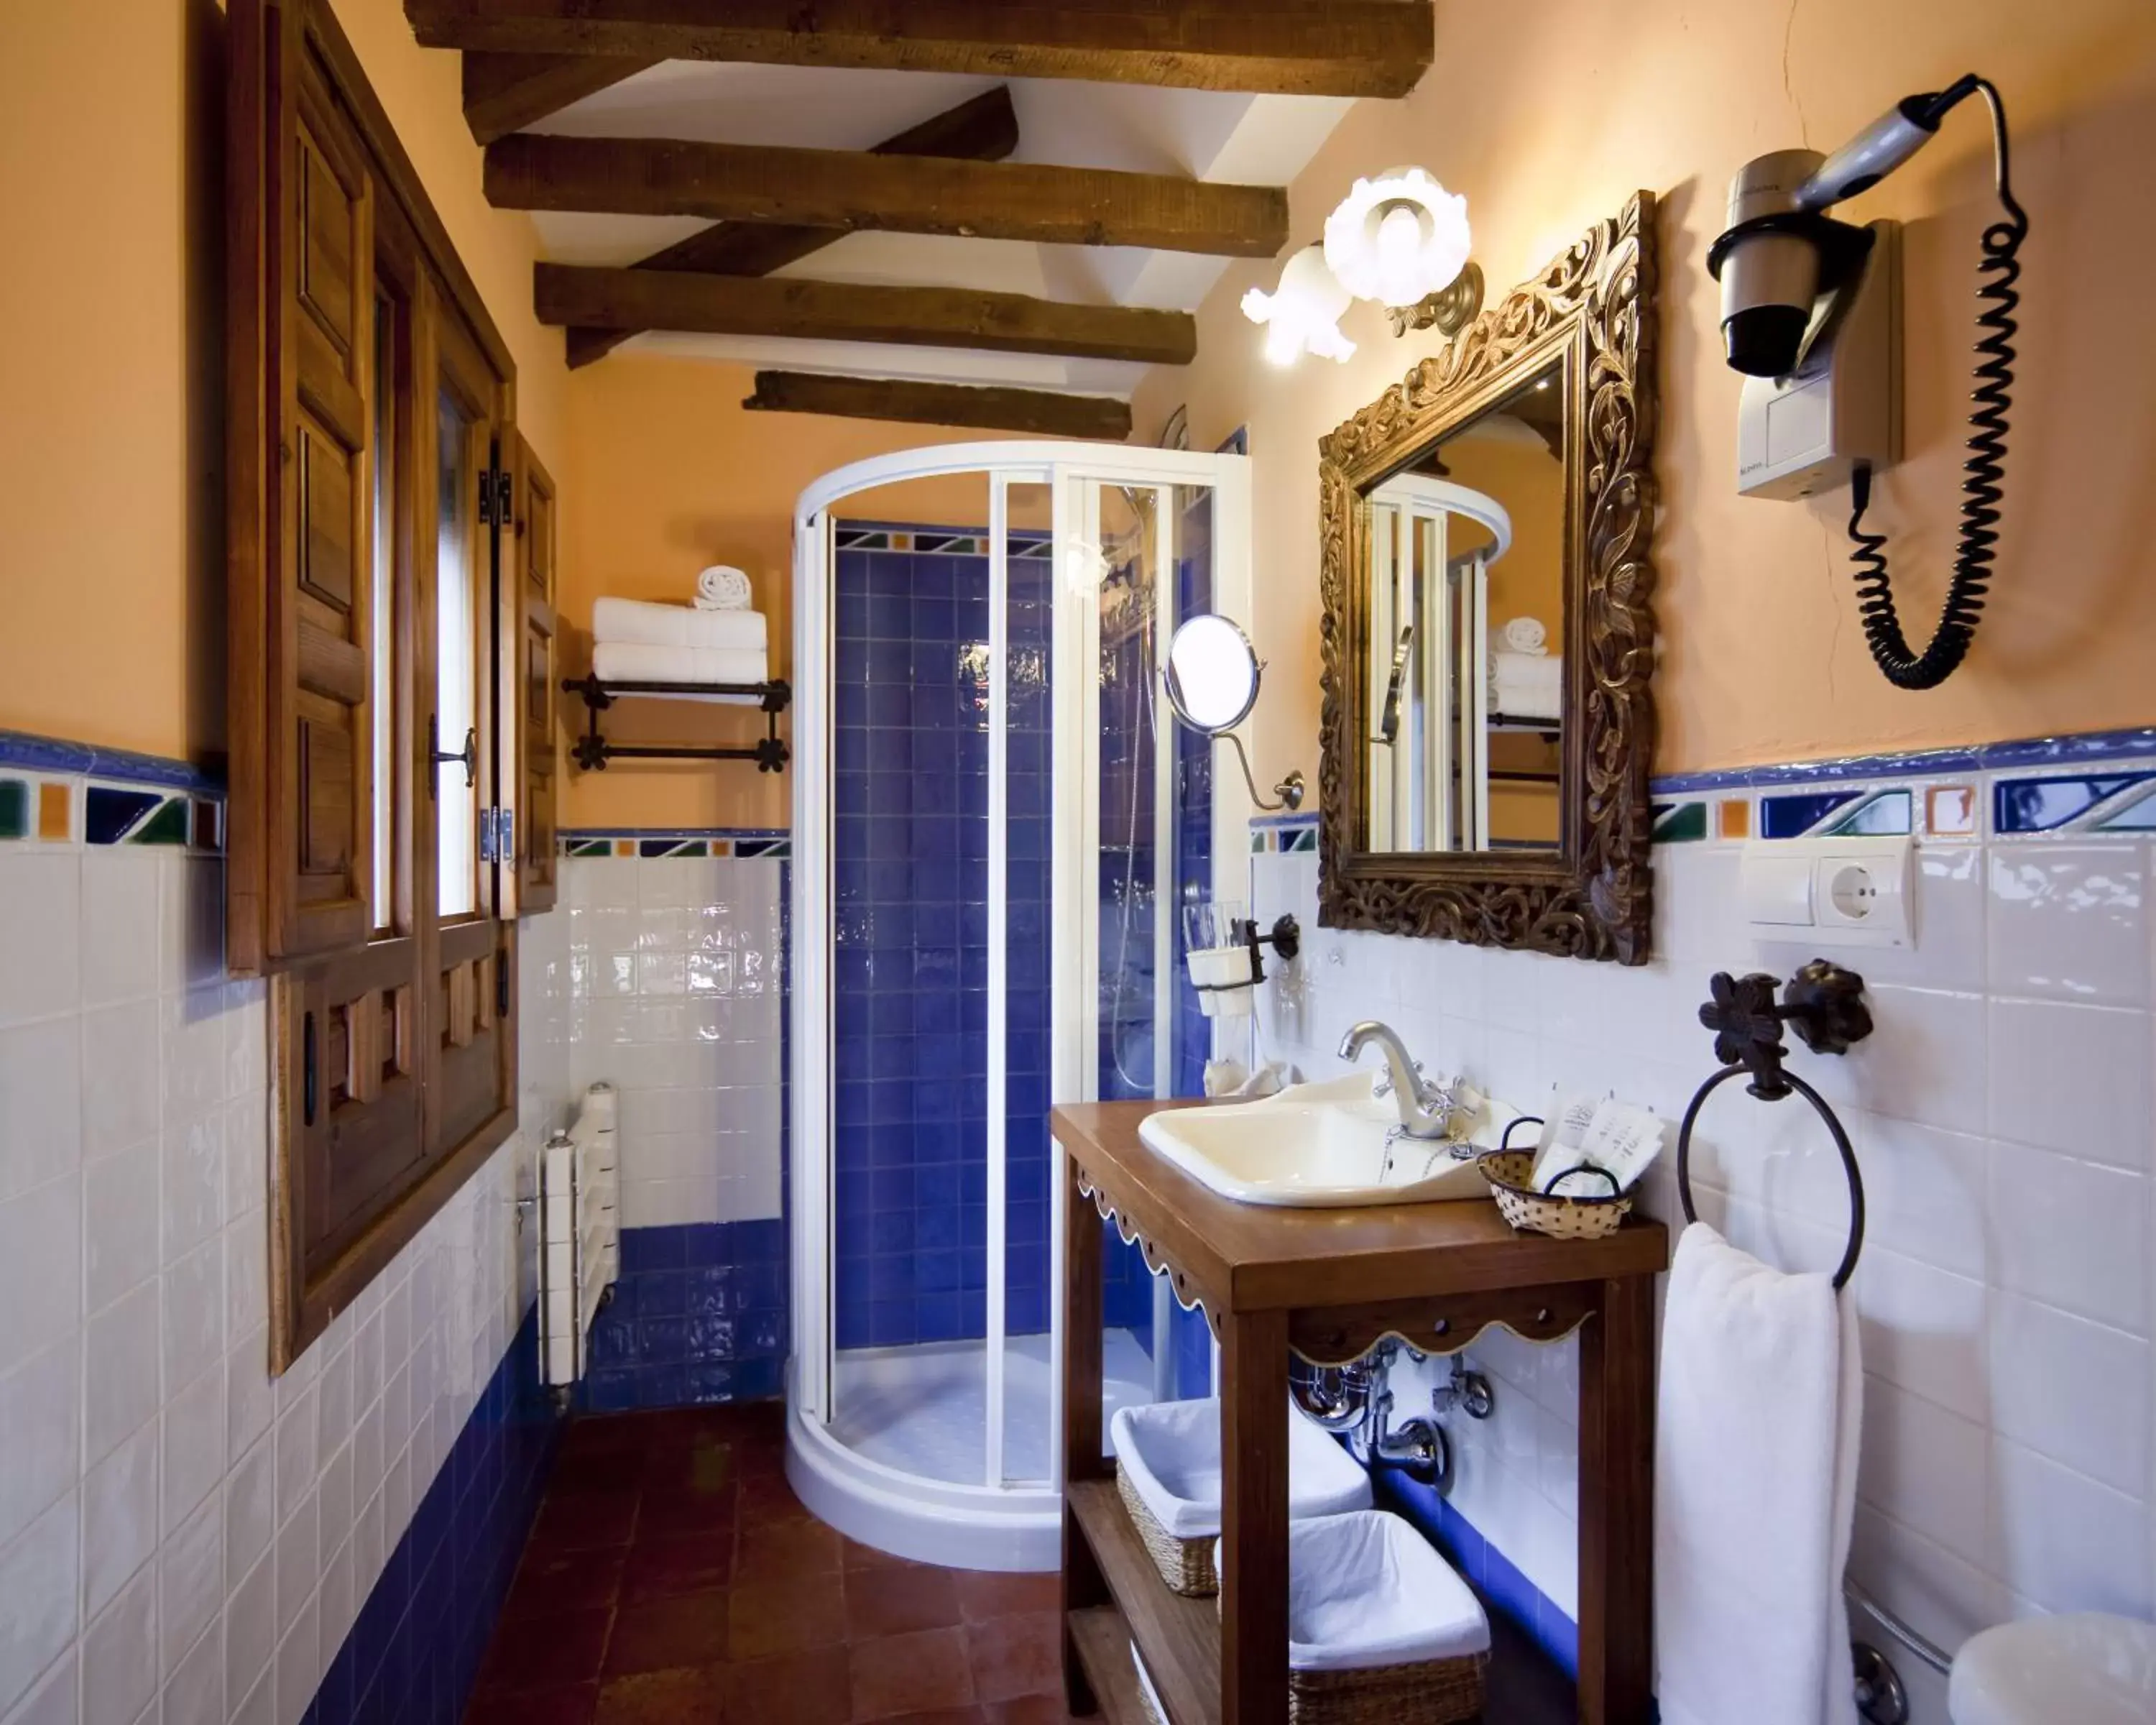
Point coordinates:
[[1212, 675]]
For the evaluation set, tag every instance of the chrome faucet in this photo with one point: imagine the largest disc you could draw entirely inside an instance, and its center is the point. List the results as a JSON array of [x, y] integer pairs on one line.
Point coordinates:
[[1427, 1110]]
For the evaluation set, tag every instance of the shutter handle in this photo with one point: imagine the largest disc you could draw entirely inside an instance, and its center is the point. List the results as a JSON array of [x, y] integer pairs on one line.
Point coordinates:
[[468, 754], [307, 1068]]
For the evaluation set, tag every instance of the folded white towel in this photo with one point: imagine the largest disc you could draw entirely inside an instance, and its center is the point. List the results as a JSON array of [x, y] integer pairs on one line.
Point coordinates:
[[639, 622], [629, 662], [1755, 1487], [1525, 686], [1523, 634], [722, 588]]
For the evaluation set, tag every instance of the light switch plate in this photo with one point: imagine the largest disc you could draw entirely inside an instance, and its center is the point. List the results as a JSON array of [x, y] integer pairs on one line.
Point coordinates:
[[1841, 892]]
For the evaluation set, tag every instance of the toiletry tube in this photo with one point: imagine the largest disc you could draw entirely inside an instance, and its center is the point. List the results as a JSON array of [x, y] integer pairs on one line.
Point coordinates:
[[599, 1106], [1223, 976]]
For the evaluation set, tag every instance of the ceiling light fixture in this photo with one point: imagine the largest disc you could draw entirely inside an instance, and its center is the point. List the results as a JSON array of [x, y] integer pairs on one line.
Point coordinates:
[[1397, 238], [1303, 313]]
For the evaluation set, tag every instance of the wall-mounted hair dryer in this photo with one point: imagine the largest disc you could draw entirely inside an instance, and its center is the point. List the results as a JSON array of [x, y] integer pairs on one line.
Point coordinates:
[[1811, 315]]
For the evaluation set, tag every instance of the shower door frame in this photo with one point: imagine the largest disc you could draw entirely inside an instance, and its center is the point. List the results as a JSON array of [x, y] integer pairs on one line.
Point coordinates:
[[1075, 474]]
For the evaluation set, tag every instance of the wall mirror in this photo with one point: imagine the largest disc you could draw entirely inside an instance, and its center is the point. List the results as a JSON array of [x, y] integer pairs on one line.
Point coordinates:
[[1488, 646]]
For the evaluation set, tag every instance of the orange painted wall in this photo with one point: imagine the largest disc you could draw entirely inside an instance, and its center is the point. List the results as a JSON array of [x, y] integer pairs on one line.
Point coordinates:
[[673, 475], [1547, 117], [111, 415]]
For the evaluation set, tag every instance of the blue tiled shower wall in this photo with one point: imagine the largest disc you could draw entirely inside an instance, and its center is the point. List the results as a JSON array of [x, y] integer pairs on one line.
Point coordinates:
[[414, 1649], [698, 1314], [910, 790]]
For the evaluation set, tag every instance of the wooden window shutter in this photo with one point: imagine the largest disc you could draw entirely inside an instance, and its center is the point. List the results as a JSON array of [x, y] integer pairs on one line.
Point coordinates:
[[300, 350], [538, 681]]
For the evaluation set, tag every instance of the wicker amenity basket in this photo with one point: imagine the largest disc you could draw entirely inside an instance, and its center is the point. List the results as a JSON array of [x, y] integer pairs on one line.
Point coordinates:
[[1186, 1565], [1509, 1173], [1438, 1691]]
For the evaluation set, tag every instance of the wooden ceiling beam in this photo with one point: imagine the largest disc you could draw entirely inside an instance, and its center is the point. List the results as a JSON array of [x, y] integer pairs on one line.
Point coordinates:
[[507, 92], [983, 129], [991, 409], [1339, 47], [854, 190], [845, 311]]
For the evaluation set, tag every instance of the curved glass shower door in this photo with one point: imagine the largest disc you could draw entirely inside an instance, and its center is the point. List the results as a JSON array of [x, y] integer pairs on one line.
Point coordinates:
[[994, 827]]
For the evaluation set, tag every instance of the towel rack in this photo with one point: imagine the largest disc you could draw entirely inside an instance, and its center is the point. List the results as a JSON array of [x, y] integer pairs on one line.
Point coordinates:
[[593, 752], [1825, 1005]]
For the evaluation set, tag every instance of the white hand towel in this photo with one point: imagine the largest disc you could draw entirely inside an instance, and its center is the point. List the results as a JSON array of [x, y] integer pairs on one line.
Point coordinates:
[[641, 623], [1755, 1487], [1525, 686], [627, 662], [1523, 634], [722, 588]]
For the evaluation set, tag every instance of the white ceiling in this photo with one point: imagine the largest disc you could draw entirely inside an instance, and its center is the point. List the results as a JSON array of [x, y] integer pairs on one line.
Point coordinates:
[[1209, 135]]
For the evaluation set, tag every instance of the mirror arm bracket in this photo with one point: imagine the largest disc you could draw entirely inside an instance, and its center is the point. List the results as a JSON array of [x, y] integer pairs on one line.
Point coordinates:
[[1289, 791]]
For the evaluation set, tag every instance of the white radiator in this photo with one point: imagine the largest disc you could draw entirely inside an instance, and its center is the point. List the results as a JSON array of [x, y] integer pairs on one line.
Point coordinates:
[[579, 1233]]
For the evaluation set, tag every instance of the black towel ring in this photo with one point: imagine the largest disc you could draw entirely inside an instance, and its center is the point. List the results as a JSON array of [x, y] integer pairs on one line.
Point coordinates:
[[1840, 1142], [1825, 1005]]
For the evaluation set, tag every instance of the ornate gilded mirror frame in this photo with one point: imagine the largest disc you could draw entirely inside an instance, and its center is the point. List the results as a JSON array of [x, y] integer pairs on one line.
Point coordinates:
[[1591, 312]]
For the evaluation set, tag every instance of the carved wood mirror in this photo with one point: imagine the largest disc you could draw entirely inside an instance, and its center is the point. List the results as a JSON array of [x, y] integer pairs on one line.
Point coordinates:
[[1488, 647]]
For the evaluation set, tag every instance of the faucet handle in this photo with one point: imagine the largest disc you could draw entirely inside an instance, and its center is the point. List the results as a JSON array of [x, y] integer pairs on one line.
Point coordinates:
[[1382, 1086]]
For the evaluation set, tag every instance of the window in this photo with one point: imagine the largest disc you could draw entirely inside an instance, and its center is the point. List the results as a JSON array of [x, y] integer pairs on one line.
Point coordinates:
[[376, 607]]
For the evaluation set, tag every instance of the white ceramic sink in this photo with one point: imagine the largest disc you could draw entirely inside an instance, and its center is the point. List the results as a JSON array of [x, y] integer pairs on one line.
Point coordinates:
[[1318, 1146]]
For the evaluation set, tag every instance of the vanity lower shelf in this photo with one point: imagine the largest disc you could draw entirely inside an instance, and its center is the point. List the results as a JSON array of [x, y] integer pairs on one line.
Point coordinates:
[[1180, 1638]]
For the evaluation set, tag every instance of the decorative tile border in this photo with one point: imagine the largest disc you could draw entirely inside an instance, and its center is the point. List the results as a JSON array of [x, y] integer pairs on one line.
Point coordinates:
[[2085, 749], [775, 842], [56, 792], [946, 542]]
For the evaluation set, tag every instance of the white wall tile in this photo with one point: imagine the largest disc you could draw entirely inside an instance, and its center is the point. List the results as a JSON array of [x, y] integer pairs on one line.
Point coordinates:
[[40, 920], [194, 1694], [40, 1103], [2068, 922], [250, 1625], [119, 1517], [2063, 1541], [119, 924], [194, 1444], [119, 1655], [40, 1267], [190, 1582], [120, 1223], [190, 924], [2072, 1390], [40, 1576], [55, 1701], [1931, 1464], [121, 1387], [2071, 1078], [194, 1313], [2074, 1233], [40, 1434], [192, 1197]]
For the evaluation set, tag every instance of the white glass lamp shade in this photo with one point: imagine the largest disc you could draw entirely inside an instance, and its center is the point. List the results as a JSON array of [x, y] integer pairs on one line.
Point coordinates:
[[1397, 238], [1303, 313], [1212, 673]]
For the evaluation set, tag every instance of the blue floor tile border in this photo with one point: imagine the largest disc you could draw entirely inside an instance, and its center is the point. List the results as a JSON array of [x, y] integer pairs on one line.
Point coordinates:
[[414, 1652], [1492, 1574], [697, 1316]]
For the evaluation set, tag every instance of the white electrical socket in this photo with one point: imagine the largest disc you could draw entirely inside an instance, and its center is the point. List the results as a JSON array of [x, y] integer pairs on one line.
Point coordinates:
[[1842, 892]]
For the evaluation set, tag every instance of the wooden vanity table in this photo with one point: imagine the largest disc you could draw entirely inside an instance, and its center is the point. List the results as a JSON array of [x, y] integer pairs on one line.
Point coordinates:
[[1328, 1284]]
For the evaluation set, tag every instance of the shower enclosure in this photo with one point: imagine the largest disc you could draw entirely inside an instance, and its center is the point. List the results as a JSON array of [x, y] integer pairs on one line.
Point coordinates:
[[995, 823]]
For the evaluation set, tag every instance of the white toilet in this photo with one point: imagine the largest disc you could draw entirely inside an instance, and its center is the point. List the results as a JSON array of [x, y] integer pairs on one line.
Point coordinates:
[[2089, 1669]]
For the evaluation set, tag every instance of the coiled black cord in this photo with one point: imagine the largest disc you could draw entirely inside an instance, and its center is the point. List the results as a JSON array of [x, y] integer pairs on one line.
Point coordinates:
[[1981, 491]]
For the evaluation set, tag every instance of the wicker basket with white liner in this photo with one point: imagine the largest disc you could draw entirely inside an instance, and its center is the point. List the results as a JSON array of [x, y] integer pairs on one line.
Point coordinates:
[[1380, 1630], [1167, 1471], [1577, 1182]]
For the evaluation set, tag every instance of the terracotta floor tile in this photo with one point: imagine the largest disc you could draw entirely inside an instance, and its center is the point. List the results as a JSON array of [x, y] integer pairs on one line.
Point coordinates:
[[561, 1648], [586, 1520], [697, 1696], [654, 1635], [770, 1550], [1029, 1710], [704, 1468], [910, 1674], [768, 1498], [570, 1704], [940, 1715], [605, 1434], [895, 1602], [788, 1616], [694, 1563], [867, 1556], [665, 1514], [1016, 1656], [551, 1581], [795, 1689], [984, 1593]]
